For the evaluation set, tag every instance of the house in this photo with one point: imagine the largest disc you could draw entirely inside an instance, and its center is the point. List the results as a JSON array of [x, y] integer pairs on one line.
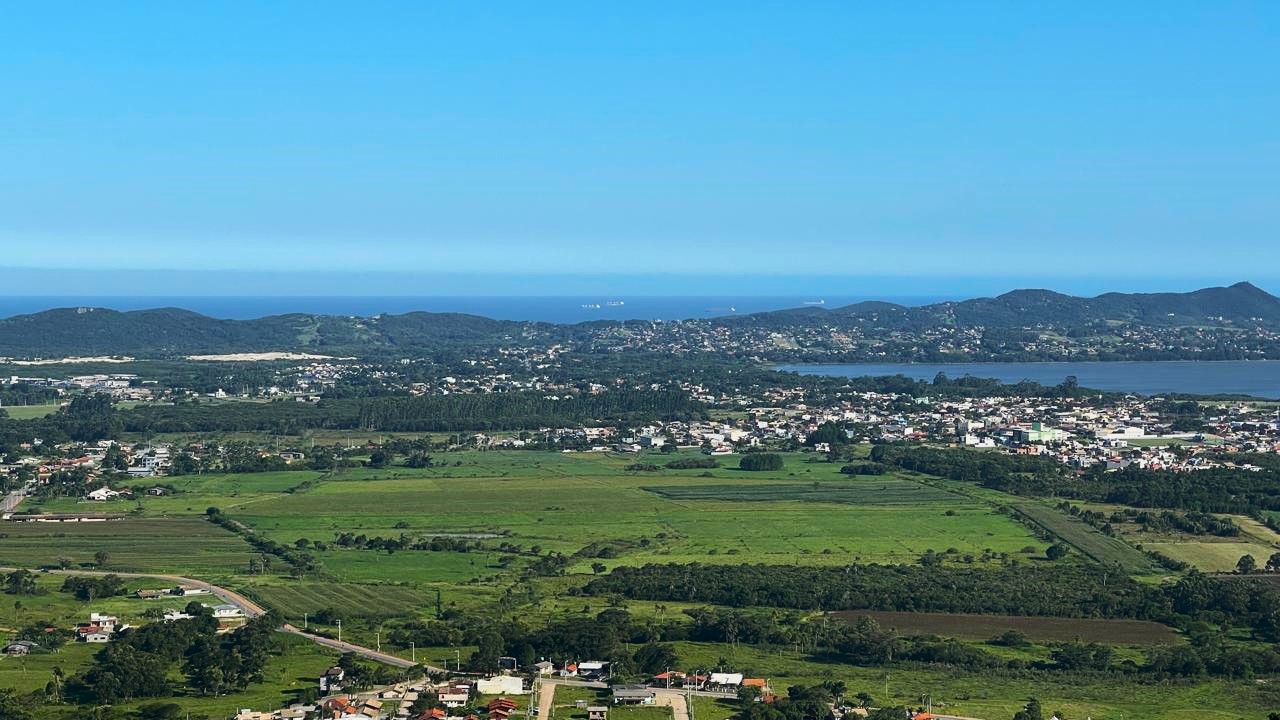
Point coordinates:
[[20, 647], [501, 685], [633, 695], [544, 668], [597, 712], [227, 611], [593, 669], [331, 679], [726, 680], [93, 636], [182, 591], [174, 615], [106, 622], [453, 697], [103, 494]]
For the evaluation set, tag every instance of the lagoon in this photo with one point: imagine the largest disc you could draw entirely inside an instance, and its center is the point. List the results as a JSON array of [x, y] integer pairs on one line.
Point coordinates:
[[1259, 378]]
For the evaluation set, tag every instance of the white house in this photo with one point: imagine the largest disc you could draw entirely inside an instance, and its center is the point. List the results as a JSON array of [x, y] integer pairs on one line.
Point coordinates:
[[226, 611]]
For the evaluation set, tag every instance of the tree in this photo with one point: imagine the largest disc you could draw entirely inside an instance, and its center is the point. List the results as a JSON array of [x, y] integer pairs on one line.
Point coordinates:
[[748, 694], [21, 582], [1030, 711], [1056, 551], [652, 658], [13, 707], [488, 650], [1246, 565], [1273, 562], [598, 567], [101, 558], [761, 462]]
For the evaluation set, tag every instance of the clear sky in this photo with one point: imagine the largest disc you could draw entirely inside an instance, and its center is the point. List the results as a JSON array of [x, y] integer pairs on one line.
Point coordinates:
[[1048, 142]]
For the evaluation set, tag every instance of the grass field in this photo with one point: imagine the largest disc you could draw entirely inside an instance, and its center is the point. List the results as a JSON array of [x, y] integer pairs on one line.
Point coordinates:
[[566, 502], [1037, 629], [29, 412], [292, 599], [1211, 556], [1086, 538], [176, 545]]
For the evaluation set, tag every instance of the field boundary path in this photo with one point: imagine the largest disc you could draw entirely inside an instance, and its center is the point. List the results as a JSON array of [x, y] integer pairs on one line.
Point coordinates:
[[250, 609]]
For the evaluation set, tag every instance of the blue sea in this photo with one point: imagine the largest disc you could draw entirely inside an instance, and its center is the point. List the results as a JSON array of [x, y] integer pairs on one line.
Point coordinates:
[[1258, 378], [539, 308]]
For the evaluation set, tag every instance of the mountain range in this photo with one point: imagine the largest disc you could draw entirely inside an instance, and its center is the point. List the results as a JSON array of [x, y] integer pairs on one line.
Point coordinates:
[[170, 332]]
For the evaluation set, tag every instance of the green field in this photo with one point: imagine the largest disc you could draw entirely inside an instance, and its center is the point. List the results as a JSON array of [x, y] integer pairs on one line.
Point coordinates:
[[565, 503], [29, 412], [292, 599], [1086, 538], [174, 545]]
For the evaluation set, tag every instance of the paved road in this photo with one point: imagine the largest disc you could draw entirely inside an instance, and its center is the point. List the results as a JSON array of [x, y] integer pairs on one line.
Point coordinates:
[[11, 501], [250, 609]]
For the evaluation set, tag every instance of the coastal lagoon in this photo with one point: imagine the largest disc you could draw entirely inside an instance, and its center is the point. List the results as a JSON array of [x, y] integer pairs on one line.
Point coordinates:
[[1259, 378]]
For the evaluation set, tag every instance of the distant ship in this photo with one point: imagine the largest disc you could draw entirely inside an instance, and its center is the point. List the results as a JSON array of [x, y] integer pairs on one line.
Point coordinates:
[[615, 303], [722, 310], [590, 306], [815, 302]]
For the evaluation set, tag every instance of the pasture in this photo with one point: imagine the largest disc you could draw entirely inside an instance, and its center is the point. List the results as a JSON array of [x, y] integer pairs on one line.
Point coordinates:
[[170, 545], [292, 599], [1086, 539]]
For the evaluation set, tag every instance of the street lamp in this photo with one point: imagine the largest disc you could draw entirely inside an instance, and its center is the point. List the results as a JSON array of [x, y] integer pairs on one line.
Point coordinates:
[[413, 652], [339, 631]]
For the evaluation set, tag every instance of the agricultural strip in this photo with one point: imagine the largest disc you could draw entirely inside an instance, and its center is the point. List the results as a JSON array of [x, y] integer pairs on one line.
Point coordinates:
[[1037, 629], [174, 545], [1086, 539]]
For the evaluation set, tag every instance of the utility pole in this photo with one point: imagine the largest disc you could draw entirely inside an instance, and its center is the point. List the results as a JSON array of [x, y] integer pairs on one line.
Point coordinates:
[[339, 631], [413, 653], [304, 621]]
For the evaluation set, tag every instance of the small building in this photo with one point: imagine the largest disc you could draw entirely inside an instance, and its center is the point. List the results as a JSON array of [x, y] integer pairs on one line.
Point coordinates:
[[597, 712], [20, 647], [633, 695], [546, 667], [331, 679], [227, 611]]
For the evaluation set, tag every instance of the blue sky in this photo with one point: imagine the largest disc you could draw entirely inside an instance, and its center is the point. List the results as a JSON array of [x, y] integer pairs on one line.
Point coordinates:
[[1071, 145]]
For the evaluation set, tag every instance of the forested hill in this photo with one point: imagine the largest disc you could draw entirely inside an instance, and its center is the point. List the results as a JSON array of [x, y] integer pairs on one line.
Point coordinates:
[[170, 332], [1242, 304]]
